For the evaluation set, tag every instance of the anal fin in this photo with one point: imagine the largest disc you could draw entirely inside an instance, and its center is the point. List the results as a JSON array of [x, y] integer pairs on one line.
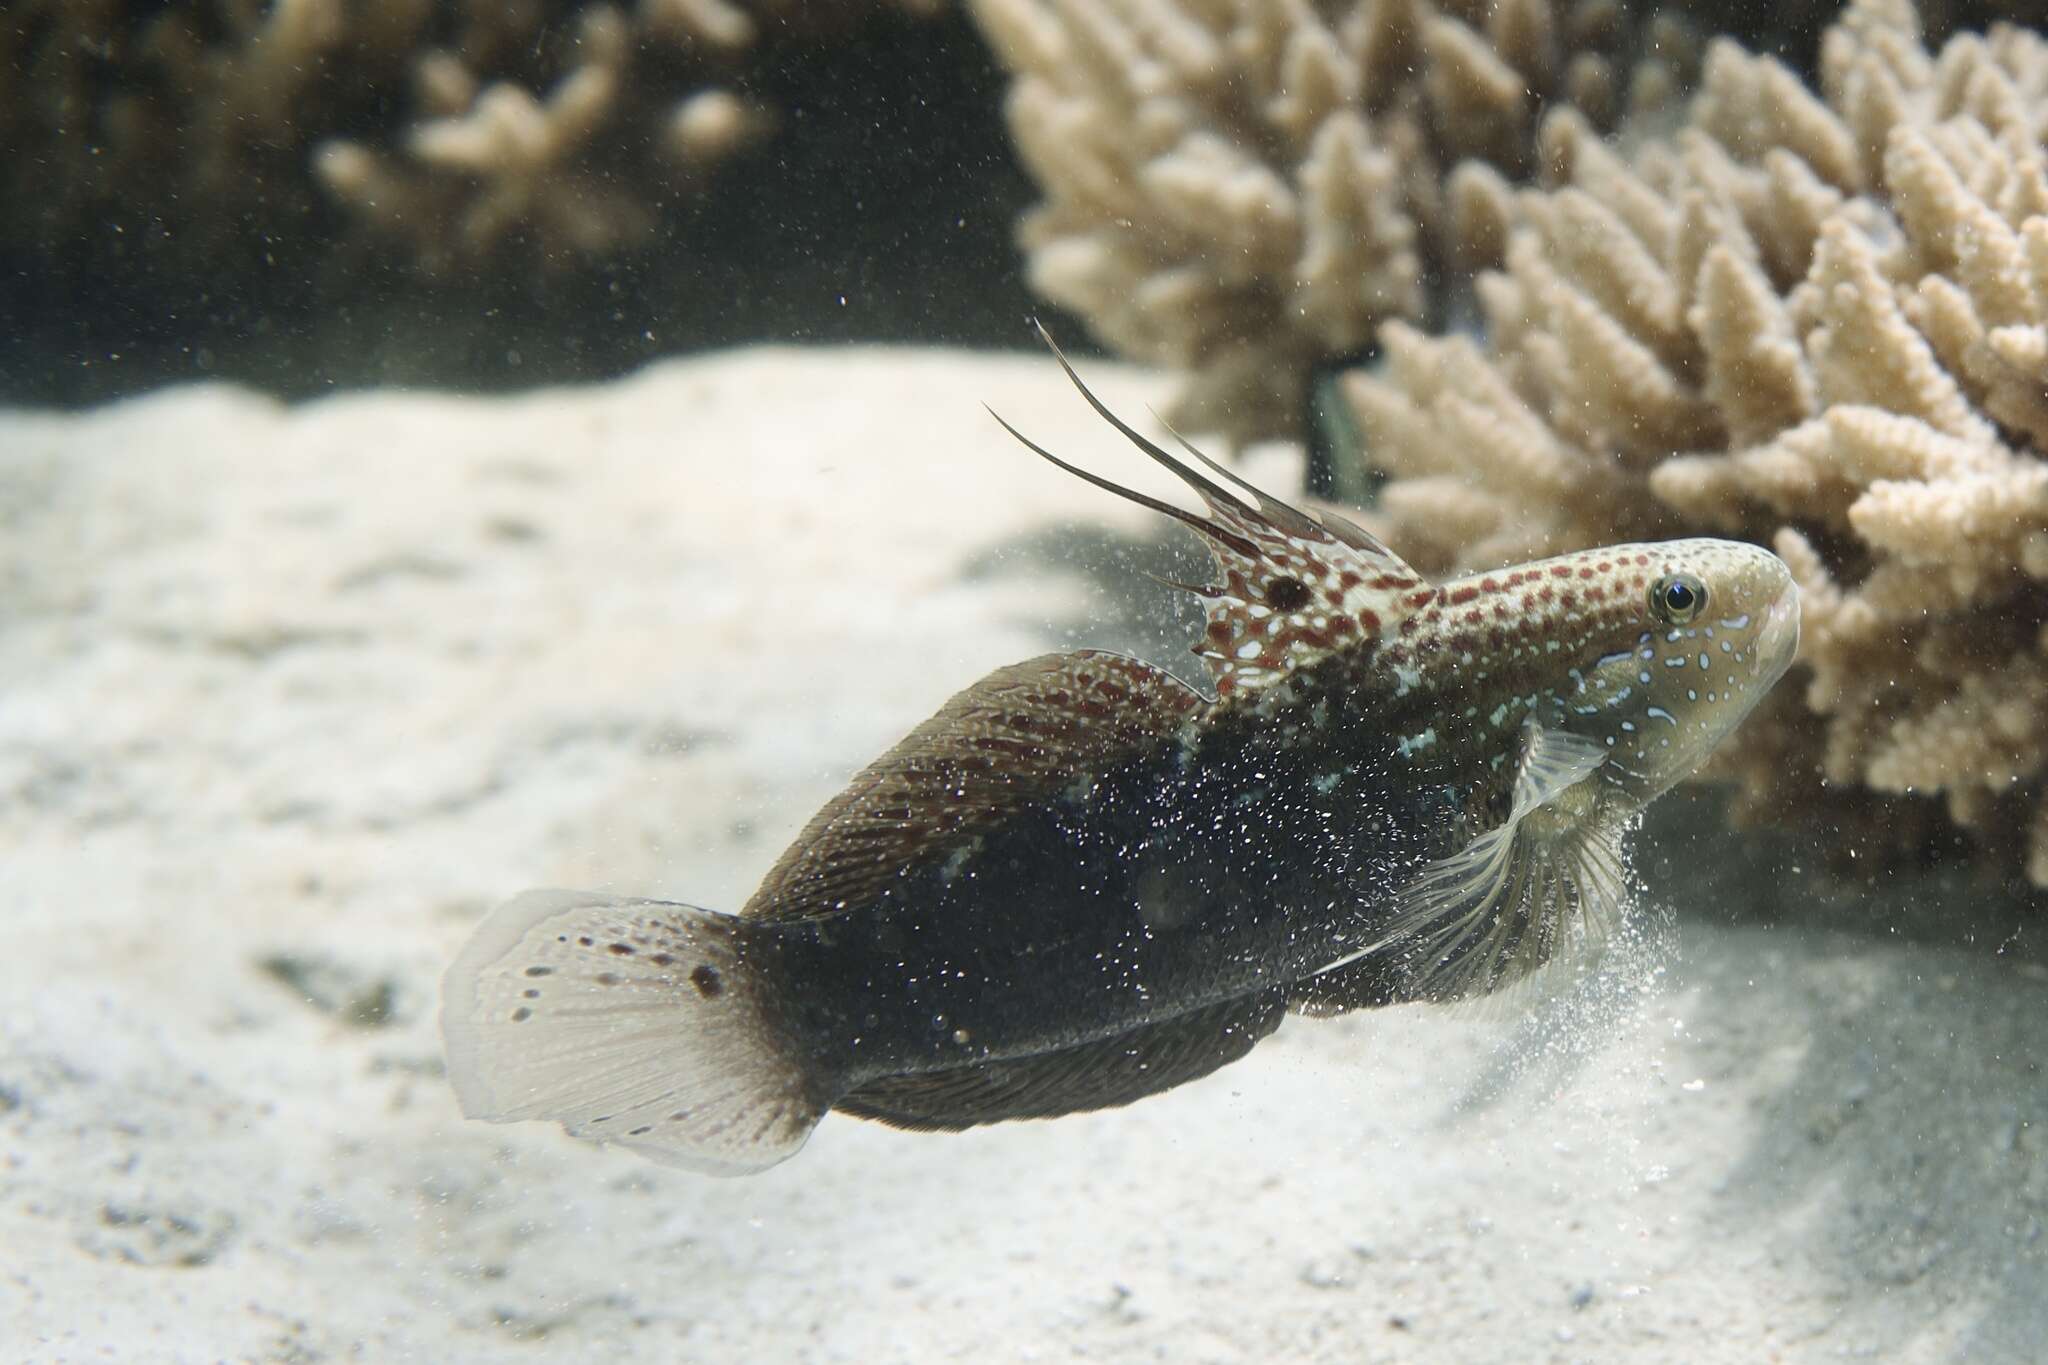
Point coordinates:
[[1097, 1075]]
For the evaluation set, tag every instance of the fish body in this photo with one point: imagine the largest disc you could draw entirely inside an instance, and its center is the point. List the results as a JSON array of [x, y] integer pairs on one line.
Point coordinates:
[[1083, 881], [1212, 866]]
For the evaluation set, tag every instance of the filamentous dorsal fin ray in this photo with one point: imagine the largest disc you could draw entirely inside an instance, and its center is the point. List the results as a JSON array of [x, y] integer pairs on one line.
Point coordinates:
[[1010, 739], [1294, 586], [1202, 525], [1504, 903], [1286, 517], [1346, 530], [1095, 1075]]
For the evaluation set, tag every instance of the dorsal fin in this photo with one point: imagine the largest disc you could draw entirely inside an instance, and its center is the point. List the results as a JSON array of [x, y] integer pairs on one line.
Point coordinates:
[[1020, 732], [1293, 586]]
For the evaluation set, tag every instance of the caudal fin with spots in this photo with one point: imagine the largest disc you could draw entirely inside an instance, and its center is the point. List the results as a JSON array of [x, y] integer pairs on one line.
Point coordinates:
[[630, 1021]]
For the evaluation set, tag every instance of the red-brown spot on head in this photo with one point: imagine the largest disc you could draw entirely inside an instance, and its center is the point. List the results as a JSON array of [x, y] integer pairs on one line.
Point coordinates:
[[1474, 616], [1463, 595], [1560, 571], [1585, 573], [1489, 584], [1567, 599], [1642, 559], [1546, 595], [1417, 599]]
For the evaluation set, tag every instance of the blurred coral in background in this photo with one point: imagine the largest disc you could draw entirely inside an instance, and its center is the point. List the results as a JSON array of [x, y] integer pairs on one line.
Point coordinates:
[[1589, 305]]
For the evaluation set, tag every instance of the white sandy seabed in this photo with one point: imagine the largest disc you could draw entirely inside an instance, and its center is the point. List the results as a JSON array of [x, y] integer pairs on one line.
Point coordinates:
[[293, 695]]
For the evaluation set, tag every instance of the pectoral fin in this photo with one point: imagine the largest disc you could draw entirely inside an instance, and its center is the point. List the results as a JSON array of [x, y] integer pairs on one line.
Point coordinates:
[[1553, 762], [1552, 872]]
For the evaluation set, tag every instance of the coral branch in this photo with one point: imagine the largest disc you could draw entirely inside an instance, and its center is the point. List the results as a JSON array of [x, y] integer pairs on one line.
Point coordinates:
[[1838, 345]]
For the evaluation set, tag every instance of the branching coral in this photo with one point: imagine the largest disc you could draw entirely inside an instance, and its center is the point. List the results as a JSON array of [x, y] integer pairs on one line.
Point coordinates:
[[1816, 319], [1241, 188], [566, 127], [578, 171]]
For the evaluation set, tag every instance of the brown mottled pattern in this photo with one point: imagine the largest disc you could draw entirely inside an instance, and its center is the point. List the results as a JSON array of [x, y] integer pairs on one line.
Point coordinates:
[[1500, 623], [1300, 598]]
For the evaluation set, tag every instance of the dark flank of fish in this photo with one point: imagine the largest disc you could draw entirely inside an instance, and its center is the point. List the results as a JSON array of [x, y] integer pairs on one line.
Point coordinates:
[[1083, 881]]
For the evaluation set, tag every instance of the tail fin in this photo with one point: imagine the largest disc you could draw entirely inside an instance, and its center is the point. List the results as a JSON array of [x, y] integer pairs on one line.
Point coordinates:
[[629, 1021]]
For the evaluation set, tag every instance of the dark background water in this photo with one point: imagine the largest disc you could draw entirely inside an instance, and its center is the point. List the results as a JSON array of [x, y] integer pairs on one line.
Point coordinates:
[[883, 210]]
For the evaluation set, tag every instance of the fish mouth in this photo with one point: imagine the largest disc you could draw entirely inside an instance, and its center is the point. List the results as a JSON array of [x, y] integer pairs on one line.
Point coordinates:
[[1777, 643]]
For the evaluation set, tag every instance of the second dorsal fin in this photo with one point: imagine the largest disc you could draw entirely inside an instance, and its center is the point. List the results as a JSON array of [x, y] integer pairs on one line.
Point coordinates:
[[1020, 732], [1294, 587]]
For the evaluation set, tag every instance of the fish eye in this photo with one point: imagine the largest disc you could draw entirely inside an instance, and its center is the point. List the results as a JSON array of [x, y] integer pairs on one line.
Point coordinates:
[[1678, 598]]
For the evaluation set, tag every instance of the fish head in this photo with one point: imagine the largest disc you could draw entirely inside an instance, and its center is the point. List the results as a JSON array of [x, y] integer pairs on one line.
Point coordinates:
[[1688, 636]]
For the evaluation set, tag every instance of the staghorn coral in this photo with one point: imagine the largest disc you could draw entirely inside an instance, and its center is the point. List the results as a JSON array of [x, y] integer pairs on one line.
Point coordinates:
[[1242, 189], [580, 170], [447, 130], [1815, 318]]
